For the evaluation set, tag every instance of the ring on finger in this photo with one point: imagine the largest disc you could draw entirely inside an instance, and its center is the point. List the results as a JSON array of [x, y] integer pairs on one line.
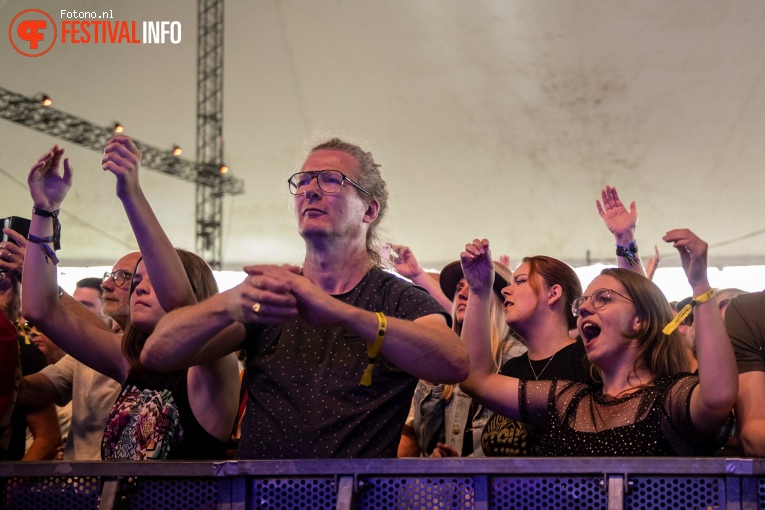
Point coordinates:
[[256, 308]]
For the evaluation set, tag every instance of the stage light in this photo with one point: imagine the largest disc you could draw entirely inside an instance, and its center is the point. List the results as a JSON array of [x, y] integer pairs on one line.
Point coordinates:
[[45, 100], [177, 151], [118, 128], [223, 169]]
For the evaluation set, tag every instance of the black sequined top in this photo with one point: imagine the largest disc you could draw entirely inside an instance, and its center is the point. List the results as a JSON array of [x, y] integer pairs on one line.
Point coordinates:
[[577, 419]]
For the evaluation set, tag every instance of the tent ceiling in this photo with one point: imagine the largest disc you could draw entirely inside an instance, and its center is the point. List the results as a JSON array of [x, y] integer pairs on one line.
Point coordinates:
[[497, 119]]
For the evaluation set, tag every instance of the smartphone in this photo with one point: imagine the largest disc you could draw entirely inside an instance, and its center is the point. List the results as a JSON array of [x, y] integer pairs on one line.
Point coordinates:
[[20, 225]]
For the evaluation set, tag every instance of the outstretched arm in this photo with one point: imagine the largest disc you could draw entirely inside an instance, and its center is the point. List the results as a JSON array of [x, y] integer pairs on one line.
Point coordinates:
[[215, 327], [621, 223], [99, 349], [497, 392], [424, 347], [713, 399], [168, 278], [407, 265], [213, 382]]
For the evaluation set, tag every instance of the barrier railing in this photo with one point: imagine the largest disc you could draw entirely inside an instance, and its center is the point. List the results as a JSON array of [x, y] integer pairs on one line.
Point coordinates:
[[533, 483]]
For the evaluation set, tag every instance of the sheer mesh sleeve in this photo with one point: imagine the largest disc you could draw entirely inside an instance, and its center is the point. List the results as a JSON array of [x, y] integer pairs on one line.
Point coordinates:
[[676, 422], [539, 400]]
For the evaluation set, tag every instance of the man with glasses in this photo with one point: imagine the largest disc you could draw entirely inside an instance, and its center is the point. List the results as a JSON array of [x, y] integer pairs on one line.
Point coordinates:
[[92, 393], [115, 300], [315, 388]]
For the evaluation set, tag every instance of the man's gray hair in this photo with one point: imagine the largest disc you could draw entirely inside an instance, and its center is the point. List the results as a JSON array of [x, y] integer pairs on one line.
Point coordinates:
[[370, 178]]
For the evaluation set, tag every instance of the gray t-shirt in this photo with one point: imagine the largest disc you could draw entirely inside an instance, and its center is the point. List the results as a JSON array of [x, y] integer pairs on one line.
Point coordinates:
[[92, 395]]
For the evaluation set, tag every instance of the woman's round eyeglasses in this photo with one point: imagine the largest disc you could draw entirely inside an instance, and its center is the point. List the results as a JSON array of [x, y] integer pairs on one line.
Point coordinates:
[[599, 299]]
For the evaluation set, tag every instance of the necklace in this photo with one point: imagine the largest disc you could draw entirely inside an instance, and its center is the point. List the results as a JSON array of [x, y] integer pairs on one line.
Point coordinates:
[[537, 376]]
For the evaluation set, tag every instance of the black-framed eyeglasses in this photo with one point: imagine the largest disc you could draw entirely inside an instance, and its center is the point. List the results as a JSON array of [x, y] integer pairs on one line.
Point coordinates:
[[119, 277], [330, 181], [599, 299]]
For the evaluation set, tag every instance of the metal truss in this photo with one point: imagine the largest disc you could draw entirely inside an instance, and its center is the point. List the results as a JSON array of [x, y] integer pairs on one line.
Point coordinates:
[[209, 205], [29, 112]]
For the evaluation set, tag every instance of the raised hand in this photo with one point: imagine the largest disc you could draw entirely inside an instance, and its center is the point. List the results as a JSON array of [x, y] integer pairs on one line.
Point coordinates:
[[123, 159], [693, 255], [477, 266], [46, 184], [620, 222], [653, 264], [406, 263]]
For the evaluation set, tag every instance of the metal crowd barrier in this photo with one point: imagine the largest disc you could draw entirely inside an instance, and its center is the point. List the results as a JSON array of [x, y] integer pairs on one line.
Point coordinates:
[[475, 484]]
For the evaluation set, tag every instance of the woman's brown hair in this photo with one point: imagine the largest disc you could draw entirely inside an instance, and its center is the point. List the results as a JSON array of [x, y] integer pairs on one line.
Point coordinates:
[[555, 272], [202, 282], [662, 354]]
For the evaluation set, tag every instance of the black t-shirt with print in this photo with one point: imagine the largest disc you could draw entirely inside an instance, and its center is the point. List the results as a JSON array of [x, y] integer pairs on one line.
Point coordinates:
[[303, 391]]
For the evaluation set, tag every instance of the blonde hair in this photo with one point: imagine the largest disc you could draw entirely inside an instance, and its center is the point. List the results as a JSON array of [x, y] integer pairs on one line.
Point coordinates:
[[500, 334]]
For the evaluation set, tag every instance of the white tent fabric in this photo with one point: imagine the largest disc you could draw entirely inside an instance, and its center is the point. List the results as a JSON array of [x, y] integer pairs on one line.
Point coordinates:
[[496, 119]]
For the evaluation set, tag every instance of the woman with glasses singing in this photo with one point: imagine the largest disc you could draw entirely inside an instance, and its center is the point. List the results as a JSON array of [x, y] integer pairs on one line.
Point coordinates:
[[186, 414], [645, 402]]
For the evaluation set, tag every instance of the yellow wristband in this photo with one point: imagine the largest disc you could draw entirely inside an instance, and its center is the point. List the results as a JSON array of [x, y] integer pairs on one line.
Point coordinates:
[[703, 298], [686, 311], [372, 350], [23, 331]]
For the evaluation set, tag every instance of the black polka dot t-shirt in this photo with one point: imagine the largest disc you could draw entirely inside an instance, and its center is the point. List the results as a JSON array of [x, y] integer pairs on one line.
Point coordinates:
[[304, 396]]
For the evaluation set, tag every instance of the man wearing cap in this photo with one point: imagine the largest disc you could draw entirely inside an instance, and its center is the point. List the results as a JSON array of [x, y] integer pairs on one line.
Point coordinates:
[[316, 387]]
